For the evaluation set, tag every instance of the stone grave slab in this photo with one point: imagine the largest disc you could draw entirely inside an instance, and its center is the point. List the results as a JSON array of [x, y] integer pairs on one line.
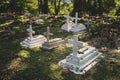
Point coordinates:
[[71, 26], [33, 41], [52, 43], [68, 25], [80, 60]]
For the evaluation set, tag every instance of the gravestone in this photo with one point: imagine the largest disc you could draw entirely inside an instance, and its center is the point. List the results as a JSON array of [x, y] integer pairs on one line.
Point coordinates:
[[52, 43], [76, 27], [80, 60], [73, 27], [67, 26], [33, 41]]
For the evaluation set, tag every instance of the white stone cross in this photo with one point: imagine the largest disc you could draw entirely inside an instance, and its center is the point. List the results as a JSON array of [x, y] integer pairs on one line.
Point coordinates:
[[48, 34], [75, 44], [69, 24], [68, 18], [30, 31], [76, 18]]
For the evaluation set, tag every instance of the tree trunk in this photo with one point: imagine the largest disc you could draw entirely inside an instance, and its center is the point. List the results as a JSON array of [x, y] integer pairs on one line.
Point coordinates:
[[46, 9], [39, 6], [77, 7], [43, 6], [57, 7]]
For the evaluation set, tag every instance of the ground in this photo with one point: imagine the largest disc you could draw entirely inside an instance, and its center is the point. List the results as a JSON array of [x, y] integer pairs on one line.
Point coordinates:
[[18, 63]]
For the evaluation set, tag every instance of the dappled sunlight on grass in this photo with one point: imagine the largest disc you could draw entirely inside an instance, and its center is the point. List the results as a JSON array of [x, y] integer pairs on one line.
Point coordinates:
[[56, 75], [17, 64], [60, 50], [14, 64], [23, 66], [54, 66], [7, 23], [24, 54], [117, 51], [56, 72], [36, 49]]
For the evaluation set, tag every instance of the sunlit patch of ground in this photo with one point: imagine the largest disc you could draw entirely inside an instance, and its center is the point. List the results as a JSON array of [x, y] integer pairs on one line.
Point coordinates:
[[117, 51], [24, 54], [60, 49], [54, 66], [17, 64], [7, 23], [56, 72], [35, 49]]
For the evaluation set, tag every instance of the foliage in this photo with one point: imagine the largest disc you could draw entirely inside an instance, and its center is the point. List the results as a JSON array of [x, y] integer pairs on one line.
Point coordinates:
[[17, 6], [94, 7], [91, 7]]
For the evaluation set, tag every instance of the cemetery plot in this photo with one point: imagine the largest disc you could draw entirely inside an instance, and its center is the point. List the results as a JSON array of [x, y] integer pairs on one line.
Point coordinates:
[[71, 26], [33, 41], [52, 43], [80, 60]]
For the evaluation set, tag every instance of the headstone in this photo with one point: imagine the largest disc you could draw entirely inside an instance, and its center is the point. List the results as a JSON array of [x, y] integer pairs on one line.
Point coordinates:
[[67, 26], [77, 27], [73, 27], [33, 41], [31, 32], [80, 60], [48, 34], [52, 43], [75, 43]]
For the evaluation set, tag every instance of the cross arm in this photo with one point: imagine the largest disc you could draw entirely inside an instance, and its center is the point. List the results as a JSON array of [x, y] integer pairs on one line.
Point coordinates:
[[45, 33], [29, 30]]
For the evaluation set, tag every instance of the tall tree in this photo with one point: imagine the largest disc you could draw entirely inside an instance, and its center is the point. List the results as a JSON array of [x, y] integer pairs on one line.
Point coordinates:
[[17, 5], [43, 6], [4, 5], [77, 6], [57, 6]]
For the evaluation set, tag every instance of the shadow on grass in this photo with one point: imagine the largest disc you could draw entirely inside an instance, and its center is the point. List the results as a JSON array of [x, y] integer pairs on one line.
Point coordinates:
[[41, 65]]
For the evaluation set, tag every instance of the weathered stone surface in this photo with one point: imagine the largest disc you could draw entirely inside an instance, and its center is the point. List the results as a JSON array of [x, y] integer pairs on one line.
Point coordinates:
[[80, 60]]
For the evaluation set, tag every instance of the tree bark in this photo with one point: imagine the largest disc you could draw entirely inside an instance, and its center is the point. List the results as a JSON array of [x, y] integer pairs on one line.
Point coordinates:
[[77, 7], [57, 7], [43, 6]]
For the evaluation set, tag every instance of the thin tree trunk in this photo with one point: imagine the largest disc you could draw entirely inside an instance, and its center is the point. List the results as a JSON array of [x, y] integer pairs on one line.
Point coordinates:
[[57, 7], [77, 7], [43, 6], [46, 9]]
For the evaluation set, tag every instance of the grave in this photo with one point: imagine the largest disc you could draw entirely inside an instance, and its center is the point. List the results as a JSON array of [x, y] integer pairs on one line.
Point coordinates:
[[73, 27], [76, 27], [33, 41], [52, 43], [67, 26], [80, 60]]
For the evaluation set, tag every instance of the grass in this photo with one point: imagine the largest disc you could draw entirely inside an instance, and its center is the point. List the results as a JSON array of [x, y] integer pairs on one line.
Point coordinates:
[[17, 63]]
